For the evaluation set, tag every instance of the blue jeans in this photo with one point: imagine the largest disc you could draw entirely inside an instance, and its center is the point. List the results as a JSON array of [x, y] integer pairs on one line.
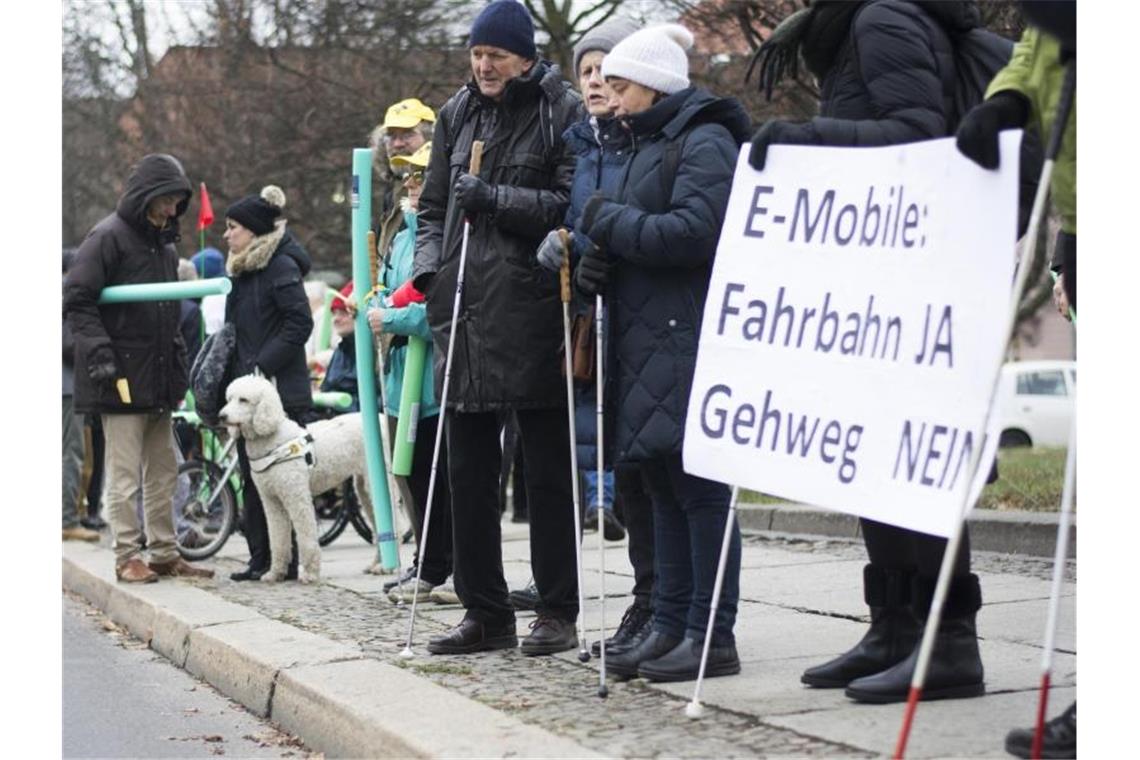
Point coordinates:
[[590, 498], [688, 520]]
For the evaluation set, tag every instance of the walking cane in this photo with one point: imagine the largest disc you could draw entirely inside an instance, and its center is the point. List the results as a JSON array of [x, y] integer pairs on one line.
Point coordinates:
[[476, 162], [1029, 253], [564, 277], [694, 709], [385, 444], [600, 323]]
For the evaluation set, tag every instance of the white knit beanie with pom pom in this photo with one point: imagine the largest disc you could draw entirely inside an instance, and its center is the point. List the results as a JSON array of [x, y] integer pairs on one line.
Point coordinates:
[[654, 57]]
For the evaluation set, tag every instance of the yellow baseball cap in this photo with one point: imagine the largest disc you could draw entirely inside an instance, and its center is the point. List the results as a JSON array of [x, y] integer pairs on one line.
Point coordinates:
[[418, 159], [407, 114]]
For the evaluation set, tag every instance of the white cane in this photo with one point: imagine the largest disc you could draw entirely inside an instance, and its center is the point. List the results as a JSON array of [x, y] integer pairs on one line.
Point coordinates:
[[694, 709], [600, 323], [1029, 253], [476, 162], [564, 278]]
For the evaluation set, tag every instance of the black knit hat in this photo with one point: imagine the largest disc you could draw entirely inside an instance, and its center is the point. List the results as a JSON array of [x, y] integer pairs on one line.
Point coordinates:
[[505, 24], [258, 213]]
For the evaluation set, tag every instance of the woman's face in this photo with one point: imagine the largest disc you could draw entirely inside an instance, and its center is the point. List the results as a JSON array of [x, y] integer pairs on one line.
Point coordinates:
[[237, 236], [414, 184], [629, 97], [592, 86]]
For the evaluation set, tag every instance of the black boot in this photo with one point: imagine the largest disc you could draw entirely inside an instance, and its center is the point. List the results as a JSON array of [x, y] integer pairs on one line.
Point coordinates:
[[1058, 740], [893, 634], [635, 626], [624, 663], [683, 662], [955, 668]]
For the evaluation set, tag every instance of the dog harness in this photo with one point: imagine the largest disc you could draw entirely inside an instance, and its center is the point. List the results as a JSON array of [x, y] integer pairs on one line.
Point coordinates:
[[296, 448]]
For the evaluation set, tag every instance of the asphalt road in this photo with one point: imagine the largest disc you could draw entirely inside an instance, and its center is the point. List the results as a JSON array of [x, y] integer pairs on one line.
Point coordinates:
[[120, 699]]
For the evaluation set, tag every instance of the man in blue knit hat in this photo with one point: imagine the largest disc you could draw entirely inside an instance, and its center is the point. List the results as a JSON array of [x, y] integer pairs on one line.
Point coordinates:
[[509, 331]]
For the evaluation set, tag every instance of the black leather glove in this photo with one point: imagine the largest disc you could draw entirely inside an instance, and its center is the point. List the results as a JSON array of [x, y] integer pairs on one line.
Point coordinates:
[[101, 366], [777, 133], [977, 137], [474, 195], [593, 272]]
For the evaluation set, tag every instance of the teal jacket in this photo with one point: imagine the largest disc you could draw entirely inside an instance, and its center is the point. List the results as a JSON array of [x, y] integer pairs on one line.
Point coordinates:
[[410, 321]]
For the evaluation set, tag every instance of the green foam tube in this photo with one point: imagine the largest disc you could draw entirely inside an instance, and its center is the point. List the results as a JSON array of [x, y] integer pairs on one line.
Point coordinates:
[[332, 399], [409, 406], [165, 291], [366, 360], [324, 335]]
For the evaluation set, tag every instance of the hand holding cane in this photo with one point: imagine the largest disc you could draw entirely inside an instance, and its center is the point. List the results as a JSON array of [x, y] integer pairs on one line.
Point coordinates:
[[564, 279], [476, 163]]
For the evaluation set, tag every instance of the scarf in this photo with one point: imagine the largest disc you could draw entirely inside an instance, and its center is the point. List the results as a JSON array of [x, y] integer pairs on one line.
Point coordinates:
[[815, 33]]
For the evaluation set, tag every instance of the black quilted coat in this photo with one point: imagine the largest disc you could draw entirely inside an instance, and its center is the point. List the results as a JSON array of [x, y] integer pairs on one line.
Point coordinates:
[[662, 234], [143, 336], [510, 326]]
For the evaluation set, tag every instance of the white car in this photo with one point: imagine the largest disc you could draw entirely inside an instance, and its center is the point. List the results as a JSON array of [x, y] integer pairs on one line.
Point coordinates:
[[1035, 402]]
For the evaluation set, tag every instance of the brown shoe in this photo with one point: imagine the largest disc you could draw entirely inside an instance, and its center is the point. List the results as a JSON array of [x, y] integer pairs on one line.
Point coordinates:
[[79, 533], [135, 571], [180, 568]]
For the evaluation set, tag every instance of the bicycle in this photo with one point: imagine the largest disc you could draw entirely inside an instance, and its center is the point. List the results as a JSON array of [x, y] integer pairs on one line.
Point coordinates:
[[209, 496]]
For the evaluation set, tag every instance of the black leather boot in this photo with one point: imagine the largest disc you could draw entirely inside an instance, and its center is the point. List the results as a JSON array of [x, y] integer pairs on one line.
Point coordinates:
[[636, 624], [893, 634], [955, 670], [683, 662], [624, 663]]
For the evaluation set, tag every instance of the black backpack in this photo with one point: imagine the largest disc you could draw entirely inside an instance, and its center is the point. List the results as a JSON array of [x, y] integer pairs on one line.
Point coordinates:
[[209, 371]]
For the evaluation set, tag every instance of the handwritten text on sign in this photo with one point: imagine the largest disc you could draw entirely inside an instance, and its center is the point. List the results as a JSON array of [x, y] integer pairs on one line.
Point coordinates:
[[852, 330]]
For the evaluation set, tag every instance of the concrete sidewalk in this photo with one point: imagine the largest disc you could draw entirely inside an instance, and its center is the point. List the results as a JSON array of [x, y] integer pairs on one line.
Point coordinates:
[[323, 661]]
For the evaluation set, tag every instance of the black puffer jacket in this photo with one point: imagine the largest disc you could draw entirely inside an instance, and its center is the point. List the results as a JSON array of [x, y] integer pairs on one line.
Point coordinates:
[[510, 327], [142, 337], [270, 312], [662, 232], [892, 78]]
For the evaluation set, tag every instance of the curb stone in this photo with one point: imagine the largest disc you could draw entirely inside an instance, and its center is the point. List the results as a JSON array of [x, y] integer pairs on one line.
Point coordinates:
[[324, 691], [1030, 533]]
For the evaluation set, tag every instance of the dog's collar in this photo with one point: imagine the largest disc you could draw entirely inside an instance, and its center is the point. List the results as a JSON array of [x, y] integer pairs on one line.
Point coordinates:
[[295, 448]]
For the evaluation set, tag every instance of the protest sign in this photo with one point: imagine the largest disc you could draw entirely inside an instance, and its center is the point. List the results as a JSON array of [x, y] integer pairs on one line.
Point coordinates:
[[852, 332]]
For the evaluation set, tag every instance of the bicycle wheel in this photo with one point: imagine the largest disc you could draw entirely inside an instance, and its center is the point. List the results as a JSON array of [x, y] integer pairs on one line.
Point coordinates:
[[202, 526], [356, 514], [332, 517]]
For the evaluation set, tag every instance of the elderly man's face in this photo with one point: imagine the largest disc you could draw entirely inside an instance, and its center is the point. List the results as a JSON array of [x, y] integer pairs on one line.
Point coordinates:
[[403, 142], [493, 67]]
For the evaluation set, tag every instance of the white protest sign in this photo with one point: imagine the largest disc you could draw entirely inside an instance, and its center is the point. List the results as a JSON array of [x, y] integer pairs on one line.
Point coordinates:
[[853, 328]]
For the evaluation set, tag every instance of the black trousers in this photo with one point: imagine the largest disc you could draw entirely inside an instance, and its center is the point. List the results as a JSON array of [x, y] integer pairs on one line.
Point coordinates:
[[437, 558], [894, 548], [632, 500], [474, 464]]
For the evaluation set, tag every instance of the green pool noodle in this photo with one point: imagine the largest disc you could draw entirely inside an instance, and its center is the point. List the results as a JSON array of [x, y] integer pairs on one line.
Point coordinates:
[[324, 335], [338, 400], [409, 406], [366, 359], [165, 291]]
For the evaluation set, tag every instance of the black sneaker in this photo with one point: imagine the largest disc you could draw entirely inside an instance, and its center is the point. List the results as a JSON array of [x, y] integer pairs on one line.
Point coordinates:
[[525, 598], [612, 528], [549, 635], [93, 523], [1059, 739], [634, 627], [408, 576]]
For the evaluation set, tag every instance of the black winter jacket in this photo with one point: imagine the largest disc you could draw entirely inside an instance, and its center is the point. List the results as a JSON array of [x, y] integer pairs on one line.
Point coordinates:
[[141, 337], [662, 233], [510, 326], [892, 80], [271, 316]]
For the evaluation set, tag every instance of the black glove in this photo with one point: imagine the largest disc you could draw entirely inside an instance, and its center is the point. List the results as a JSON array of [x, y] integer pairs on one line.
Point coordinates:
[[593, 272], [590, 215], [101, 365], [978, 132], [474, 195], [777, 133]]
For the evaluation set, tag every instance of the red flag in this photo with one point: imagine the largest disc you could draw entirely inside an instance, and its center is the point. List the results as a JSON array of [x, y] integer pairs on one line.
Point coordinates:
[[205, 211]]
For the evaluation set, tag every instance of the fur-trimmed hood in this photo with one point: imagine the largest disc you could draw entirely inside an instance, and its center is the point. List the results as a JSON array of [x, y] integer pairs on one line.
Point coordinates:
[[261, 249]]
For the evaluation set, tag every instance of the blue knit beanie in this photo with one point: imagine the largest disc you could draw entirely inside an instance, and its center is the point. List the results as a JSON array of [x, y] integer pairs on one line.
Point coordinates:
[[505, 24]]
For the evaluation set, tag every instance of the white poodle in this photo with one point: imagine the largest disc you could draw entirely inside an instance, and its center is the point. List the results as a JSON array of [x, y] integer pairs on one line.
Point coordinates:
[[290, 464]]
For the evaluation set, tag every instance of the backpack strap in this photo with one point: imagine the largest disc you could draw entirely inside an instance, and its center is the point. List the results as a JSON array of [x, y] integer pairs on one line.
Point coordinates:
[[670, 162]]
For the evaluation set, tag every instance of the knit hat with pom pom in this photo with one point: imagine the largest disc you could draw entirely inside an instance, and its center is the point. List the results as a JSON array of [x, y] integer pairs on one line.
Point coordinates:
[[258, 213], [654, 57]]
